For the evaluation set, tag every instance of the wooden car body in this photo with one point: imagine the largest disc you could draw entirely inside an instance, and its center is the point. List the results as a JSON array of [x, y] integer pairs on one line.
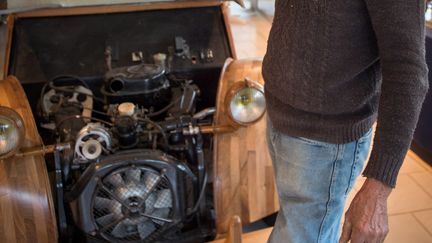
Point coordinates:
[[242, 176]]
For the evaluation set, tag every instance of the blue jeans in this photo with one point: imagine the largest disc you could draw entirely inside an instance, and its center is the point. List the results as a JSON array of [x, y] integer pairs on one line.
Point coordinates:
[[313, 179]]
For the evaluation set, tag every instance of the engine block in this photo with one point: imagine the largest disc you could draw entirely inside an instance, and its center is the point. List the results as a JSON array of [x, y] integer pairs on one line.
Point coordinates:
[[136, 172]]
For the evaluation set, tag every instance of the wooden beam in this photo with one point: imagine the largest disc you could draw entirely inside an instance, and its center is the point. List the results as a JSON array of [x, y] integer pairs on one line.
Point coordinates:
[[116, 8], [235, 231]]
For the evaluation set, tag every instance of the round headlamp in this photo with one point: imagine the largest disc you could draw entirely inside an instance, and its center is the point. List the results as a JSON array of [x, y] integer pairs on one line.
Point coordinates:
[[246, 102], [11, 132]]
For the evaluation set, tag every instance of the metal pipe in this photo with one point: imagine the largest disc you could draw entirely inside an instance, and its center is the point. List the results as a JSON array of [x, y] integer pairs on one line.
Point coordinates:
[[202, 114], [217, 129], [42, 150]]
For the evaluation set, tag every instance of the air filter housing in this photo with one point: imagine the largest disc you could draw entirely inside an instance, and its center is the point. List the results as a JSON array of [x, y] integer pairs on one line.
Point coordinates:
[[144, 84]]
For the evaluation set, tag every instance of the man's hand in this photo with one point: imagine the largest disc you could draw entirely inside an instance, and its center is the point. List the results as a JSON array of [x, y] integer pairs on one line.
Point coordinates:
[[366, 219]]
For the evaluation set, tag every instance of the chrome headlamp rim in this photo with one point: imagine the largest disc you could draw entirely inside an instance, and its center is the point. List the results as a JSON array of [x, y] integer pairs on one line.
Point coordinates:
[[13, 117], [234, 89]]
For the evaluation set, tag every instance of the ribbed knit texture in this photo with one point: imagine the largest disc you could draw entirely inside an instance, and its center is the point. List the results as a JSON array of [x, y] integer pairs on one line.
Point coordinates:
[[333, 67]]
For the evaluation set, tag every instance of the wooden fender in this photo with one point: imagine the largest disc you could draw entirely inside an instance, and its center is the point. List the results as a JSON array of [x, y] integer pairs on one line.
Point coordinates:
[[26, 204], [243, 173]]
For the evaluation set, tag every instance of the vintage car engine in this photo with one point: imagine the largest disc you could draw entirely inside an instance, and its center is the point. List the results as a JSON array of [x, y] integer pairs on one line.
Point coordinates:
[[135, 170], [130, 122]]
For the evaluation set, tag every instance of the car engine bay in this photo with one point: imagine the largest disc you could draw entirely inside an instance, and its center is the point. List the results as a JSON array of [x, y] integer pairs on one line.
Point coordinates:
[[134, 166], [146, 135]]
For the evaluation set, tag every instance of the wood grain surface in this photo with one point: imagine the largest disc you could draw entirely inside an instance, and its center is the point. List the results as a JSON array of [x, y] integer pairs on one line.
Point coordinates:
[[117, 8], [226, 16], [26, 206], [243, 180], [258, 236], [7, 39], [235, 231]]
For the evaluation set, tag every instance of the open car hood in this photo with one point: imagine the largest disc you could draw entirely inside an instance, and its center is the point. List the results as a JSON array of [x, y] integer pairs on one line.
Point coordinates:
[[26, 5]]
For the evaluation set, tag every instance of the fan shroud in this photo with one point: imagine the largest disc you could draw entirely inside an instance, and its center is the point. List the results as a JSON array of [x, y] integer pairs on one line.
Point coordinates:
[[117, 191], [128, 203]]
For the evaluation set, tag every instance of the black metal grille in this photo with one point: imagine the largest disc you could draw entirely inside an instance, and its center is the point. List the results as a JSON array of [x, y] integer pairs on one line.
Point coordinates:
[[133, 204]]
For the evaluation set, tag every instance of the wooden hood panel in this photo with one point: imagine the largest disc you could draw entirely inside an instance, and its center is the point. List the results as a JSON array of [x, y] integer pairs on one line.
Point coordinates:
[[244, 181], [20, 4], [26, 206]]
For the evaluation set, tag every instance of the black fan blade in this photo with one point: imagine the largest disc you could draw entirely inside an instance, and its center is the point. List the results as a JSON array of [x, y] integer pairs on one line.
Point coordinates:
[[160, 213], [115, 180], [150, 180], [133, 175], [101, 203], [120, 230], [145, 229], [164, 199], [150, 202], [105, 220]]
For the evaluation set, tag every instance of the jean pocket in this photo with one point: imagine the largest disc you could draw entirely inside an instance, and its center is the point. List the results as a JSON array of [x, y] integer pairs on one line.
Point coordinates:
[[366, 137], [272, 133], [360, 156], [354, 174], [312, 142]]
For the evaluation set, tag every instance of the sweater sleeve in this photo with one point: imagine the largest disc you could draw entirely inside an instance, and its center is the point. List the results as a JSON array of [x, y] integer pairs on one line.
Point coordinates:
[[400, 33]]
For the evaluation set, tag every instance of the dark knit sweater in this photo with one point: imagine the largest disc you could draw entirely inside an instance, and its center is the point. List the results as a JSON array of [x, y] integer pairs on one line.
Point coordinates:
[[333, 67]]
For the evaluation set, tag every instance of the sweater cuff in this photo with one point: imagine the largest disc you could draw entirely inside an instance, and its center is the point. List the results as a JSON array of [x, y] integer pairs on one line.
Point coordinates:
[[383, 168]]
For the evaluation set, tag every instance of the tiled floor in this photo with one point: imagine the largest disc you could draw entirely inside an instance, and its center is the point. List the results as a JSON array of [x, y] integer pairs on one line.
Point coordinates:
[[410, 204]]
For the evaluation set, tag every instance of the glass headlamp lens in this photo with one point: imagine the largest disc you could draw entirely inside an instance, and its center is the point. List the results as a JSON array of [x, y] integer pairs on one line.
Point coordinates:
[[11, 131], [9, 135], [247, 105]]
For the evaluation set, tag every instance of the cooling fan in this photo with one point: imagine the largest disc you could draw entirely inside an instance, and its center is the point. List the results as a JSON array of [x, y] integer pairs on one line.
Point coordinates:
[[133, 204]]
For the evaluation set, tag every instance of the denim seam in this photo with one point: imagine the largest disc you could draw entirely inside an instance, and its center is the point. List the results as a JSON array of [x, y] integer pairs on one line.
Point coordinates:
[[329, 192], [273, 134], [353, 167], [313, 142], [271, 140]]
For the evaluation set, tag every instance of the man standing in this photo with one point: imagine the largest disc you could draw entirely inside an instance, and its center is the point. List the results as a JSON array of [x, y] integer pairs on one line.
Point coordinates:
[[332, 69]]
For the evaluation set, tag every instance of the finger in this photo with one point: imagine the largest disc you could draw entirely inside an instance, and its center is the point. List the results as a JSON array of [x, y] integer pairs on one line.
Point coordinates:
[[378, 239], [373, 240], [381, 238], [346, 232], [377, 236], [358, 236]]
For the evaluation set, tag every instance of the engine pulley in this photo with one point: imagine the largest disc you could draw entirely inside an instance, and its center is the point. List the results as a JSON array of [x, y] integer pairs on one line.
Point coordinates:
[[92, 140], [91, 149]]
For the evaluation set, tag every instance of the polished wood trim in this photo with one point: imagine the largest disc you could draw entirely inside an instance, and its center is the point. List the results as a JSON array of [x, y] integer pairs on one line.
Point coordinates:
[[243, 173], [220, 95], [26, 202], [116, 8], [226, 14], [259, 236], [235, 231], [8, 47]]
